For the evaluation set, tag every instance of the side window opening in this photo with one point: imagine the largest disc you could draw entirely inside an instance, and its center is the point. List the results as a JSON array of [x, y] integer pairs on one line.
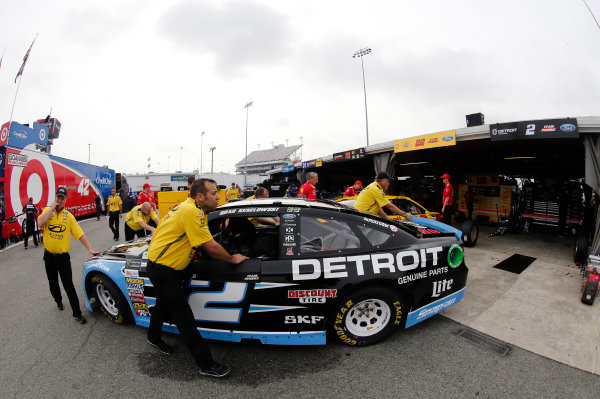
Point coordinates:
[[238, 235], [321, 235]]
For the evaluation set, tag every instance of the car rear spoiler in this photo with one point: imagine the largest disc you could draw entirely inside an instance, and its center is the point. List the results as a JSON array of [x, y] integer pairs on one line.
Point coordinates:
[[439, 226]]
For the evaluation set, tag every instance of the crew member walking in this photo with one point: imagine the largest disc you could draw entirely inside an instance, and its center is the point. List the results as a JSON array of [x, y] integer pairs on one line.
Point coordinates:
[[308, 190], [372, 199], [180, 233], [136, 221], [60, 225], [98, 202], [30, 211], [114, 211], [447, 200]]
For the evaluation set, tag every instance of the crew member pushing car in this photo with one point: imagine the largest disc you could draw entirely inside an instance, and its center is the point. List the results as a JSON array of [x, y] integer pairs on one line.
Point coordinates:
[[136, 221], [180, 233], [60, 225], [372, 199]]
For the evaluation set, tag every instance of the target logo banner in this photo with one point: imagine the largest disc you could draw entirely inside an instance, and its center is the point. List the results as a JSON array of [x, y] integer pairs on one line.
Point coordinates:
[[4, 134]]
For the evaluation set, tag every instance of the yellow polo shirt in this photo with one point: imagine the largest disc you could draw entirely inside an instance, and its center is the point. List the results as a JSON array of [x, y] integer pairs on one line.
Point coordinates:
[[57, 231], [179, 232], [371, 199], [114, 202], [253, 220], [136, 215], [232, 193]]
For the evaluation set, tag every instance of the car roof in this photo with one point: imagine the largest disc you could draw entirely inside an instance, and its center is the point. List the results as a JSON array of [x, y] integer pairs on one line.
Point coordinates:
[[280, 201]]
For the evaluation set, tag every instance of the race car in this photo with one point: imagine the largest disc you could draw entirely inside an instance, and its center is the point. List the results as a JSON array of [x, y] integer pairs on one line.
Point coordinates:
[[405, 204], [325, 273]]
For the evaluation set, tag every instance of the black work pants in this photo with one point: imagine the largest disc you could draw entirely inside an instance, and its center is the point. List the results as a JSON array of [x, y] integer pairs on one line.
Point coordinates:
[[171, 301], [30, 230], [130, 233], [60, 265], [113, 223], [98, 212], [470, 209], [448, 212]]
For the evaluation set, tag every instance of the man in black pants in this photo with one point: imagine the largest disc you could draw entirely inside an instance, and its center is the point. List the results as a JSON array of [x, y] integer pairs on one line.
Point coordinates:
[[30, 210], [60, 225], [114, 209], [182, 230]]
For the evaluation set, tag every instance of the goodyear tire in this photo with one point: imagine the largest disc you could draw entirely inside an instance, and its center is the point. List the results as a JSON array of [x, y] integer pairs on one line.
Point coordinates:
[[470, 230], [581, 246], [366, 316], [110, 299]]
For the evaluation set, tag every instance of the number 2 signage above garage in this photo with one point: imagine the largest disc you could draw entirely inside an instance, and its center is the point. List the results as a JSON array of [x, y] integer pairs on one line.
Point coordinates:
[[540, 129]]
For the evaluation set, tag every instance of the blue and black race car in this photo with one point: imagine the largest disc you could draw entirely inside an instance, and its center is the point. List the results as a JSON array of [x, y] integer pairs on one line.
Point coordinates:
[[326, 271]]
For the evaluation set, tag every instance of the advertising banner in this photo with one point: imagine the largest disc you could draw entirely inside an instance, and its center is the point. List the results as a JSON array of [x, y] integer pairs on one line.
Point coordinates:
[[4, 134], [313, 163], [538, 129], [21, 136], [288, 168], [441, 139], [182, 178], [358, 153]]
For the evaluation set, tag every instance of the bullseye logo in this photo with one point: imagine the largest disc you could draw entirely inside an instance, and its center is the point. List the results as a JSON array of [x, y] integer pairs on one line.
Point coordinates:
[[42, 134], [4, 134]]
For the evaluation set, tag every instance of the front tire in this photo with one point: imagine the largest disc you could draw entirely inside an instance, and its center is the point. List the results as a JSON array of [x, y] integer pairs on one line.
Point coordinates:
[[110, 299], [367, 316]]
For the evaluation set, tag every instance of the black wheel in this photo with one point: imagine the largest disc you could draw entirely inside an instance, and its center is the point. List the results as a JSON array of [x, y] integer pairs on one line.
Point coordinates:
[[470, 230], [366, 316], [581, 246], [110, 299]]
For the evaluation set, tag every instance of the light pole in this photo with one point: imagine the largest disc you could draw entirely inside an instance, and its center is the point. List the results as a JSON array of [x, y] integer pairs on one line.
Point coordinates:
[[89, 151], [248, 105], [180, 151], [212, 154], [168, 163], [360, 53], [201, 144]]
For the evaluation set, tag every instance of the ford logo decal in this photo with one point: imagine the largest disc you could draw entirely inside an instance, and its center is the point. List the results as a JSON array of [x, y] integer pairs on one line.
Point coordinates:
[[289, 216], [448, 138], [568, 127]]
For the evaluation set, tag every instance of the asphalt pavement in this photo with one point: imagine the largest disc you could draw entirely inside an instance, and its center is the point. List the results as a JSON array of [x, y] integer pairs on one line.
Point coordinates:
[[513, 336]]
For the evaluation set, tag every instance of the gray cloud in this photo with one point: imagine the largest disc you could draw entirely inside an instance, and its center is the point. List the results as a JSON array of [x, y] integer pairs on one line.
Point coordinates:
[[238, 35]]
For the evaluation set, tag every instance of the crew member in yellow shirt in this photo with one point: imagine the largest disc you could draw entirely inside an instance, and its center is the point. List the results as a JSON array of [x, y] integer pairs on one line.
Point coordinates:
[[262, 192], [232, 193], [372, 199], [179, 234], [114, 211], [59, 225], [136, 221]]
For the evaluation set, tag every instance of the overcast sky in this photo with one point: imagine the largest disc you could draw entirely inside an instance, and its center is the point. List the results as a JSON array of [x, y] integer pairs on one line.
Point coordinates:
[[140, 79]]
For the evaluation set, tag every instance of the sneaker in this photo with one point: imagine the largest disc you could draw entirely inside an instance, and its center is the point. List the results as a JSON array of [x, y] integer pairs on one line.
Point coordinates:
[[80, 319], [216, 370], [60, 306], [161, 346]]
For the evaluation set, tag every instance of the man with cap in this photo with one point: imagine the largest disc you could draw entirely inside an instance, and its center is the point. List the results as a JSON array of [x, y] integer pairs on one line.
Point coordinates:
[[232, 193], [136, 221], [30, 211], [114, 211], [447, 200], [308, 190], [60, 225], [354, 189], [145, 196], [372, 199]]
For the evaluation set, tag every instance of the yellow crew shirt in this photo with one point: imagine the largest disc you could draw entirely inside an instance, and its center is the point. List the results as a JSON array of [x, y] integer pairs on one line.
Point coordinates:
[[371, 199], [114, 202], [136, 215], [232, 193], [253, 220], [57, 231], [179, 232]]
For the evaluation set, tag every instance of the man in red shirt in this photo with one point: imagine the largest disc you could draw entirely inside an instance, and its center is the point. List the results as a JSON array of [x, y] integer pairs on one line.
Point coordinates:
[[308, 190], [447, 200], [354, 189], [145, 196]]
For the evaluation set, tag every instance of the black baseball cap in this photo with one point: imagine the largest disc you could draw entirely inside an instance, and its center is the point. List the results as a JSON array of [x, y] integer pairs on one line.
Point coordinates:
[[382, 175], [61, 192]]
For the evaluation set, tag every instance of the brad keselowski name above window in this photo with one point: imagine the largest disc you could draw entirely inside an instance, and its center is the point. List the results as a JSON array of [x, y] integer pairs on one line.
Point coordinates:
[[338, 267]]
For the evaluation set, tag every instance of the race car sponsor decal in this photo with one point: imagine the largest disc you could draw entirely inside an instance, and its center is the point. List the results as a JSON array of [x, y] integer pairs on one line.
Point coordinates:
[[137, 297], [429, 310], [455, 256], [377, 222], [312, 296], [130, 273], [289, 252], [358, 265], [420, 275], [134, 280], [137, 305], [289, 216], [293, 210], [247, 210], [133, 287], [338, 325], [303, 319], [142, 312], [440, 287], [251, 277]]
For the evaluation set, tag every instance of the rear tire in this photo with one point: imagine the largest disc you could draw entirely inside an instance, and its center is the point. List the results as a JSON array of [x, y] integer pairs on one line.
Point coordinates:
[[366, 316], [470, 230], [110, 299]]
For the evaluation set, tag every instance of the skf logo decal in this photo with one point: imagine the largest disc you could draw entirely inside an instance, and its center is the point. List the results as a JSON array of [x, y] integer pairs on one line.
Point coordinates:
[[312, 296], [303, 319], [441, 286], [359, 265], [57, 228]]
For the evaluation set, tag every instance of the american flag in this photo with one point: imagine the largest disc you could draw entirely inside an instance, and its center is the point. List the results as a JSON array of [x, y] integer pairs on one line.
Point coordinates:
[[24, 61]]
